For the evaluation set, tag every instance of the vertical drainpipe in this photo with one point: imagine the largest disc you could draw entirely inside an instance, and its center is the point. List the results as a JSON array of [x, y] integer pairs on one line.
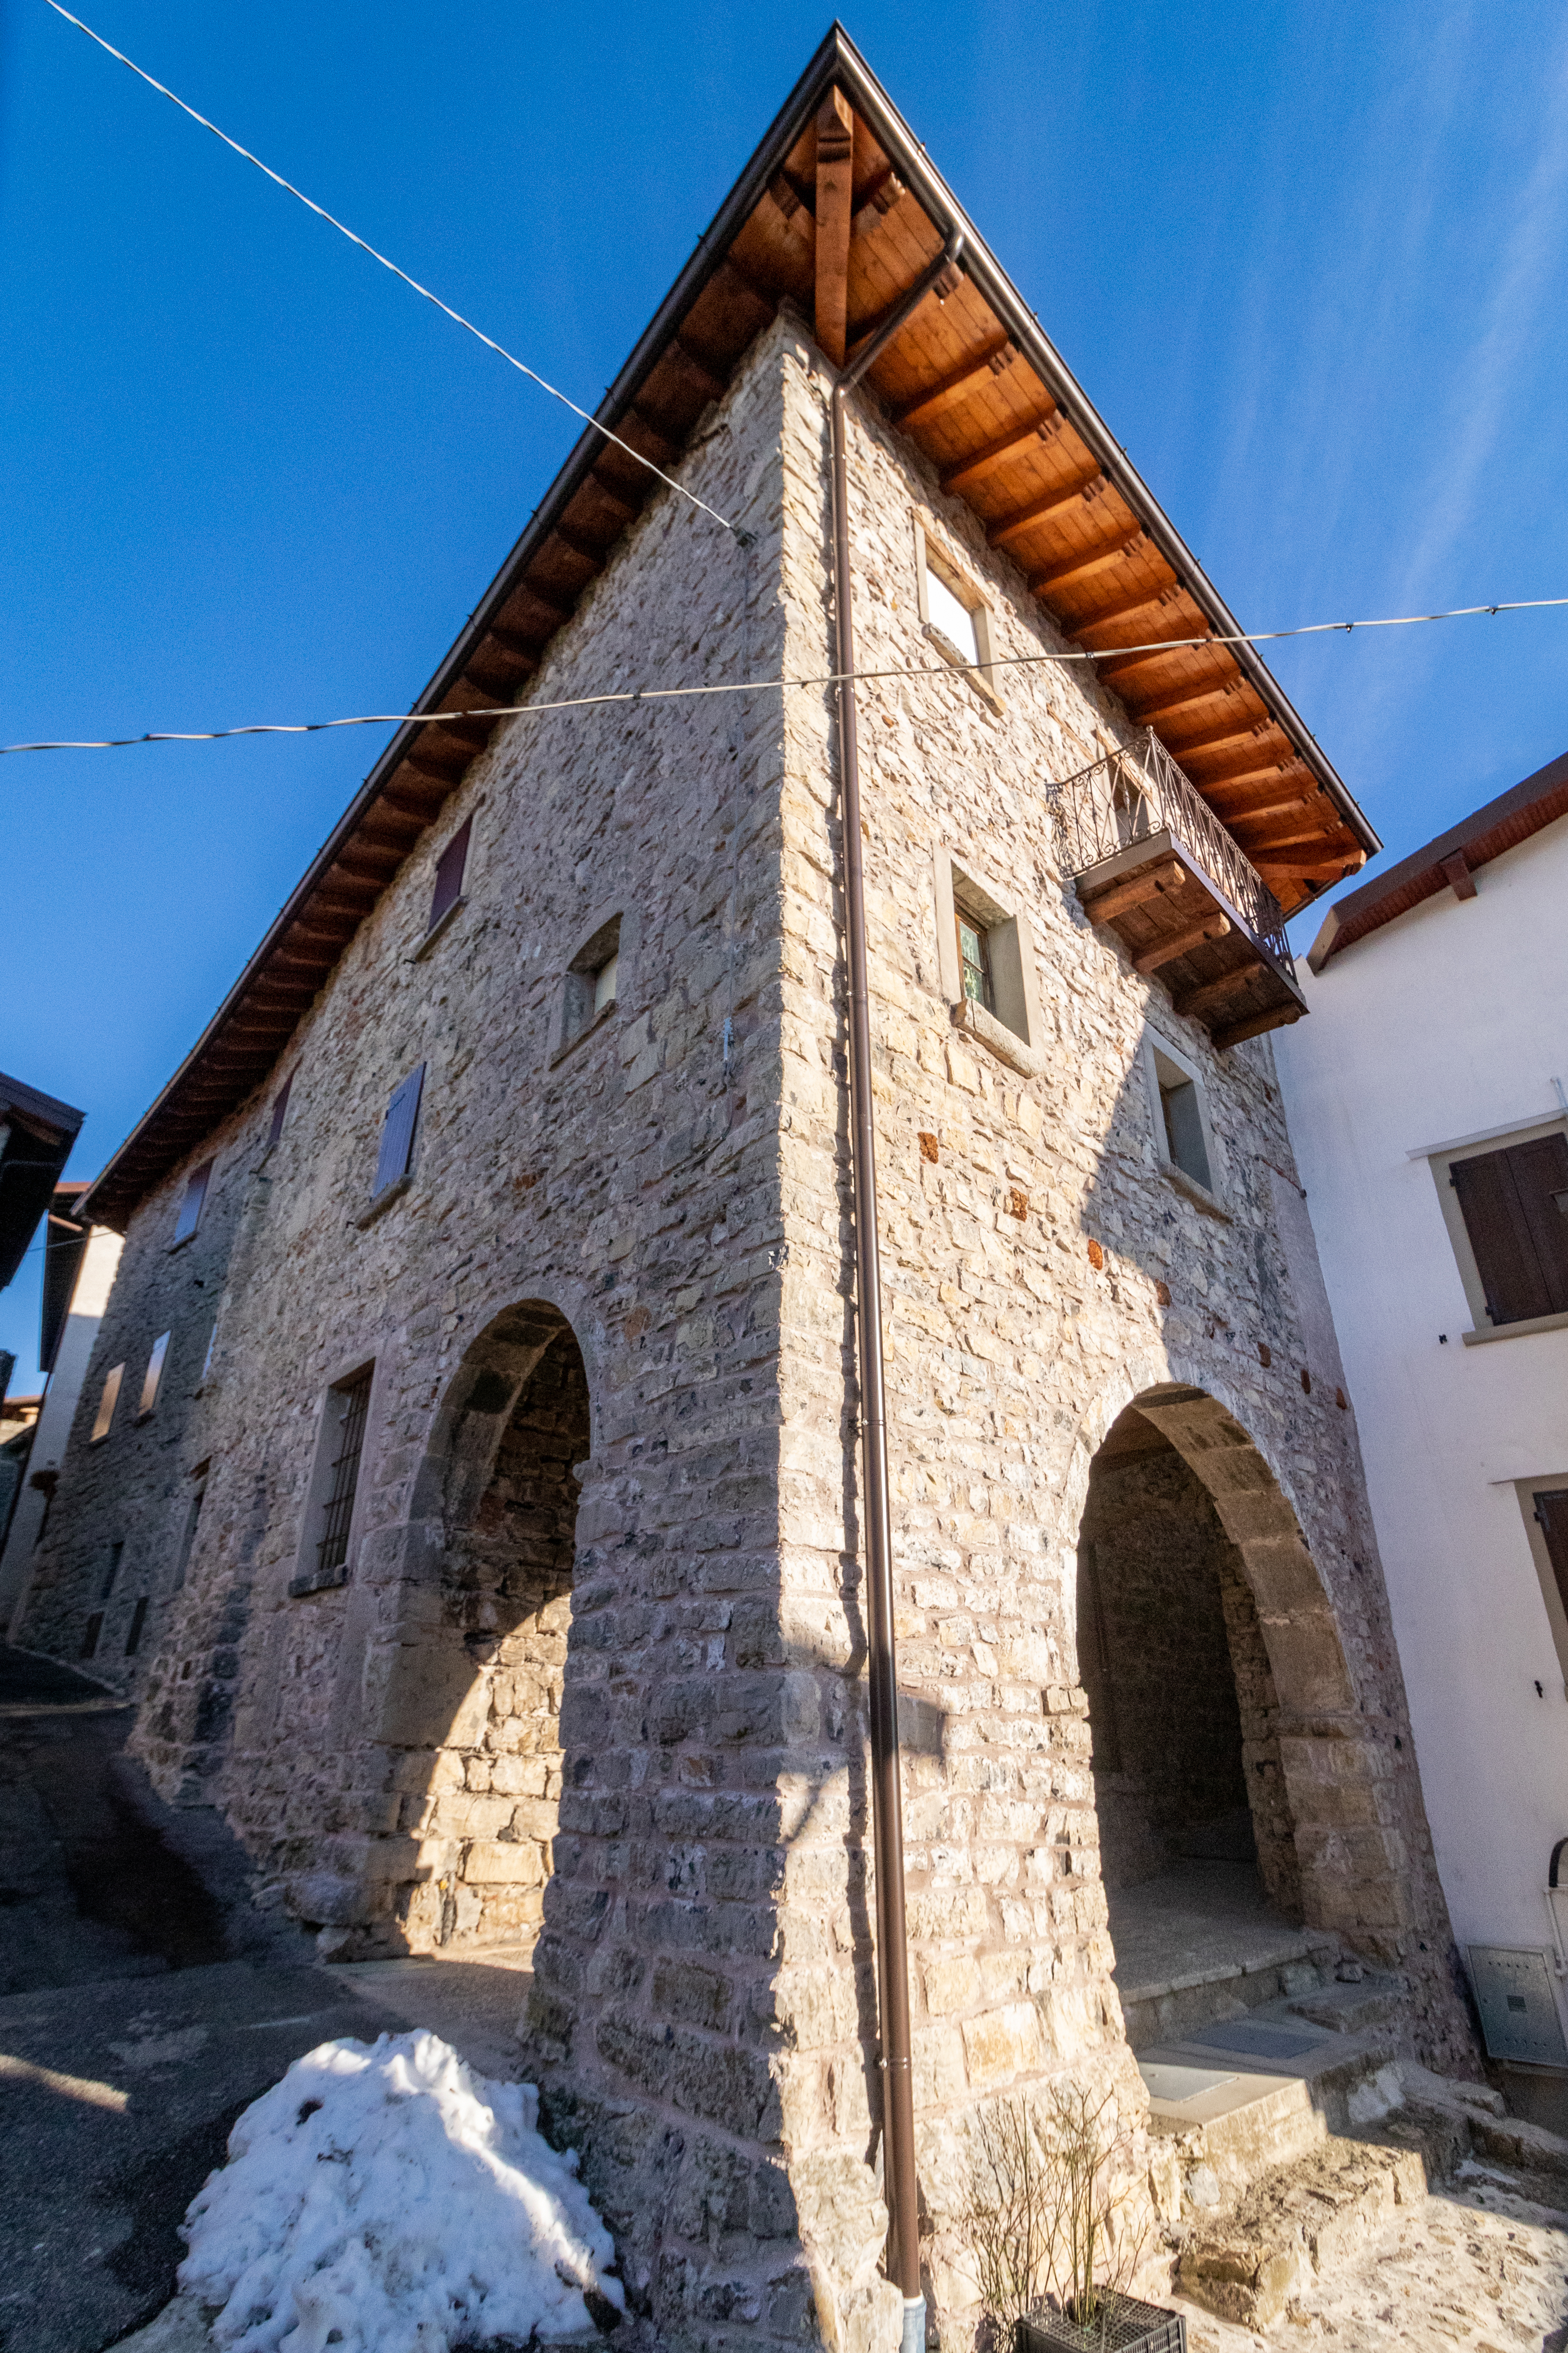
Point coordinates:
[[893, 1967]]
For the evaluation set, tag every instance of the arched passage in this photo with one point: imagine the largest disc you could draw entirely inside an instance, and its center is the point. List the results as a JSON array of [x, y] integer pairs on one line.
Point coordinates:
[[484, 1676], [1239, 1788]]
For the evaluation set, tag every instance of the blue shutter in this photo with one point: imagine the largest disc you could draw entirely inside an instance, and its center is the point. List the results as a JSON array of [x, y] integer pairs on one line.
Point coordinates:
[[449, 869], [397, 1131]]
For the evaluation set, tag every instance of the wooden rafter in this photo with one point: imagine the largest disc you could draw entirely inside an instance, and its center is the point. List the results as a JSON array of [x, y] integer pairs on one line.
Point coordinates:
[[1087, 567], [1055, 504], [982, 463], [1123, 606], [835, 215], [953, 389], [1160, 715]]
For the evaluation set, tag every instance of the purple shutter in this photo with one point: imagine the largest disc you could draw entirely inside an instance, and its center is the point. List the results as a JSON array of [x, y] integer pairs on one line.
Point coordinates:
[[191, 1206], [280, 1112], [449, 874], [397, 1131]]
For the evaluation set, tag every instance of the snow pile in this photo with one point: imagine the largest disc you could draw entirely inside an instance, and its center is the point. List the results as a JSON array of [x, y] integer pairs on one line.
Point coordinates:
[[390, 2200]]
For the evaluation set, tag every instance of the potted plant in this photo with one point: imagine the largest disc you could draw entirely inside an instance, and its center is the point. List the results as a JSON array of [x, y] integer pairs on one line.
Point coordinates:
[[1058, 2225]]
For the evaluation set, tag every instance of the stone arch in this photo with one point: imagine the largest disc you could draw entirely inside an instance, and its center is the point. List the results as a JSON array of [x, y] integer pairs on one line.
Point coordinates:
[[1351, 1875], [467, 1712]]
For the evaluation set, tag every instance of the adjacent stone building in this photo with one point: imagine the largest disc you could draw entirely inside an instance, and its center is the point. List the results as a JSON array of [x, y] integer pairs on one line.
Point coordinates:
[[490, 1507]]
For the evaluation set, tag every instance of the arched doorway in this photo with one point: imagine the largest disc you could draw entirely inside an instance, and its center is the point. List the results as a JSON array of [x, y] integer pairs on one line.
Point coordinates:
[[506, 1467], [1242, 1798]]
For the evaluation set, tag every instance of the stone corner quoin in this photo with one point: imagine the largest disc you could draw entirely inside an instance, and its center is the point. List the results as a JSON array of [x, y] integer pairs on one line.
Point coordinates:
[[589, 1676]]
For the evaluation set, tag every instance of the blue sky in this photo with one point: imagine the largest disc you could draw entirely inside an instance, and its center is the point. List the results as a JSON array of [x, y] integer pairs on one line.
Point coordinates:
[[1306, 259]]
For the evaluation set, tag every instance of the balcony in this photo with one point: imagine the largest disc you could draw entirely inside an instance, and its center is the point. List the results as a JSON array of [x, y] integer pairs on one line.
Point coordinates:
[[1154, 865]]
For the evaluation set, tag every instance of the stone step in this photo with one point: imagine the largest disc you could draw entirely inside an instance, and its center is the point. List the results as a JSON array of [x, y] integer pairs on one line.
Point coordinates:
[[1314, 2216], [1293, 1962], [1240, 2096], [1349, 2009], [1298, 2223]]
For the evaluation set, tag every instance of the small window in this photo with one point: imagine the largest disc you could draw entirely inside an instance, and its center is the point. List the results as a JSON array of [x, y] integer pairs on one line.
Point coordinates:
[[90, 1639], [191, 1208], [955, 616], [985, 961], [974, 962], [152, 1376], [1185, 1130], [950, 620], [1182, 1139], [138, 1619], [107, 1402], [324, 1559], [449, 865], [1514, 1204], [397, 1131], [111, 1568], [279, 1111], [592, 984]]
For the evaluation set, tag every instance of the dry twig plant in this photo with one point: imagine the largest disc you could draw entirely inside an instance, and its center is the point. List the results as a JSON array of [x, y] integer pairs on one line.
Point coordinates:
[[1053, 2212]]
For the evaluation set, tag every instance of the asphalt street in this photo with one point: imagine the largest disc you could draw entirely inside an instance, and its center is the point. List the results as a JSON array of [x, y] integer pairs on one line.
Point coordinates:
[[143, 2003]]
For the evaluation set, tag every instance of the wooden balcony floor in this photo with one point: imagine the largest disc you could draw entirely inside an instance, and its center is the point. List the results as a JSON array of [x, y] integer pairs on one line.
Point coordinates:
[[1154, 894]]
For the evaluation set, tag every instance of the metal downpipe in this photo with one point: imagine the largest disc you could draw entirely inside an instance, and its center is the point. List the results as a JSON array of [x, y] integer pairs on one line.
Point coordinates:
[[888, 1828]]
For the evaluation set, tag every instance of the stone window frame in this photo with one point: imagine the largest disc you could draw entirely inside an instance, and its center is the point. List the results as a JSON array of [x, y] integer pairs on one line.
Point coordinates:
[[574, 1014], [304, 1579], [1439, 1159], [931, 554], [1015, 1032], [1154, 1048], [1557, 1617]]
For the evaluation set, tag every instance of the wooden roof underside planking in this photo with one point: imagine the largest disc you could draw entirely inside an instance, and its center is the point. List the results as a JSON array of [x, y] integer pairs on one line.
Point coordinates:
[[983, 395]]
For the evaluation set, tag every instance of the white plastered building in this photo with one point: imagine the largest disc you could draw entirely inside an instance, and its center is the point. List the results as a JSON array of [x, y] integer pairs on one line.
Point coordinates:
[[1427, 1101]]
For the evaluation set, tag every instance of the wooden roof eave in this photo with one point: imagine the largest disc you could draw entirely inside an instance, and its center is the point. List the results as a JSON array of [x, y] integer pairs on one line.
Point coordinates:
[[422, 754]]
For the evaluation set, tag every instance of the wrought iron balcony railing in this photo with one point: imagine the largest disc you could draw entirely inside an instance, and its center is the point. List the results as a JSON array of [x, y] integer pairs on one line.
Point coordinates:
[[1128, 796]]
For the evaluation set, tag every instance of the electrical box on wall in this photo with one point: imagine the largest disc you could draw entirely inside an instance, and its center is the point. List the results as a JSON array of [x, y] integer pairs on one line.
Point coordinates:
[[1518, 2007]]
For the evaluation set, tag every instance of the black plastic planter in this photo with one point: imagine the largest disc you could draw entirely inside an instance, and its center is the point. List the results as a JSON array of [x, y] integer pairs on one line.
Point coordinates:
[[1123, 2326]]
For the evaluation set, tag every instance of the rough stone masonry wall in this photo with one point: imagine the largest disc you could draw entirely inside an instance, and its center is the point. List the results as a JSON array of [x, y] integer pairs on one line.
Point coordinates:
[[632, 1188], [1011, 1351]]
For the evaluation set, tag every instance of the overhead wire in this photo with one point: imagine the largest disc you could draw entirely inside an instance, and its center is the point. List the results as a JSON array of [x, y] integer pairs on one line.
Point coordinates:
[[639, 694], [365, 247]]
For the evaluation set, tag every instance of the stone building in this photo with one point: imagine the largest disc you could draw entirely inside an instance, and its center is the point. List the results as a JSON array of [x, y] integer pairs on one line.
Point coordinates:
[[467, 1485]]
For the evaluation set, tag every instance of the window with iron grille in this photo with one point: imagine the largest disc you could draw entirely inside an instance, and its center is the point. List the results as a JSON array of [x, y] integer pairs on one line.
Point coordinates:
[[346, 1418], [328, 1522]]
